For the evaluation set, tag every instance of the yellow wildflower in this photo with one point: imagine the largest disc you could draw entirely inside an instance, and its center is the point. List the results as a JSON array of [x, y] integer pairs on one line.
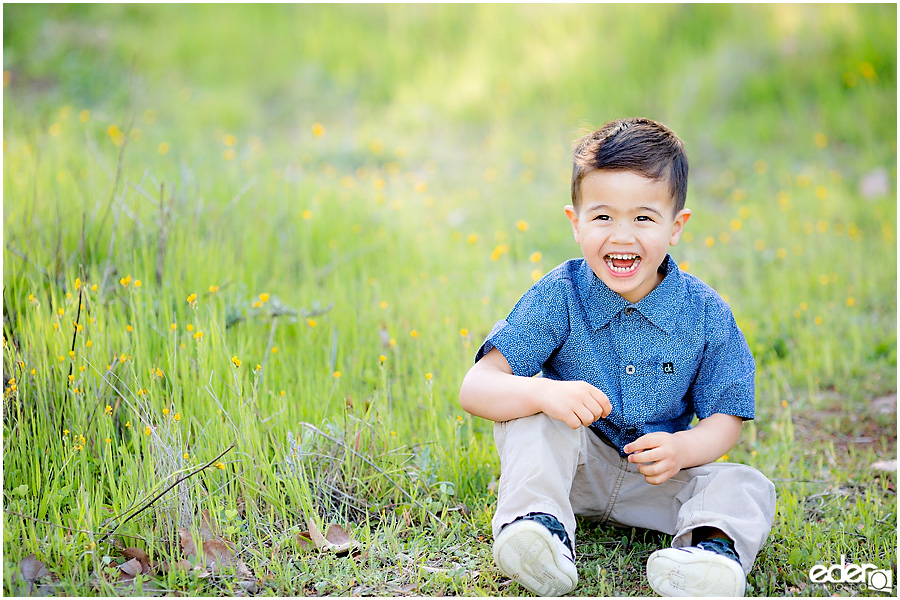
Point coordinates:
[[192, 299], [236, 361], [264, 297]]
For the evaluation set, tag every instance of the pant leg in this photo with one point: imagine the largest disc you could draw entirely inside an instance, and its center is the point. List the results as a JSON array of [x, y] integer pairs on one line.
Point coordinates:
[[734, 498], [539, 457]]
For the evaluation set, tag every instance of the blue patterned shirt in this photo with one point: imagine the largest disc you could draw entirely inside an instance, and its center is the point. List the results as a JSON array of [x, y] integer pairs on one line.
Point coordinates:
[[675, 353]]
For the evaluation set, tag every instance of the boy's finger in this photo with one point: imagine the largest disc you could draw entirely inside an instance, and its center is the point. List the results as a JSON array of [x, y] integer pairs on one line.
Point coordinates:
[[603, 401], [644, 456]]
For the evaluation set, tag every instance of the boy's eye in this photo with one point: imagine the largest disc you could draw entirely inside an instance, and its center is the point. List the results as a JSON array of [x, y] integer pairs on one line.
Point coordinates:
[[601, 218], [643, 218]]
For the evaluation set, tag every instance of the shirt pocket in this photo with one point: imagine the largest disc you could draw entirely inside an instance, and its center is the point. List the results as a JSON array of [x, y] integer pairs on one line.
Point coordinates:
[[653, 390]]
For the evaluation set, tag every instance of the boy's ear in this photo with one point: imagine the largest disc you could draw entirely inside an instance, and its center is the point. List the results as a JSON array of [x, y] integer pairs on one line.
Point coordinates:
[[678, 226], [572, 215]]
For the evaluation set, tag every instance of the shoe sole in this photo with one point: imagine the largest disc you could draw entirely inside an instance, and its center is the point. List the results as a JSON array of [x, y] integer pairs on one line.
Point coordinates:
[[525, 552], [677, 572]]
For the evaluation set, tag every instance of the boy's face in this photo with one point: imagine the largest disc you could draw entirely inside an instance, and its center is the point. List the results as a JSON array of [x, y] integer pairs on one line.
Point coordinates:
[[625, 225]]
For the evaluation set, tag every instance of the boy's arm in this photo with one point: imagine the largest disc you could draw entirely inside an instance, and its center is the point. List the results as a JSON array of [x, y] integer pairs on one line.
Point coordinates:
[[491, 390], [661, 455]]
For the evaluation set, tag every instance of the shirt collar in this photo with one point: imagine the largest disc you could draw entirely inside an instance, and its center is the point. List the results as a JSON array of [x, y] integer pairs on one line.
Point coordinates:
[[659, 306]]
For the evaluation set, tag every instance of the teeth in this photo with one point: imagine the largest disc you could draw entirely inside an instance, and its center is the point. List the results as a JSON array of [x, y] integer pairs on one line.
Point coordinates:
[[624, 256], [615, 269]]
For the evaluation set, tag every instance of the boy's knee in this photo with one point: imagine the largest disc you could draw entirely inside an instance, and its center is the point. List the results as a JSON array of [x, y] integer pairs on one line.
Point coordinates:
[[537, 431], [754, 484]]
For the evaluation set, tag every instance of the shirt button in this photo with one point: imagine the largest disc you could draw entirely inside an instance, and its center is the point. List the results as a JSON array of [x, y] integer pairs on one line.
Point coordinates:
[[628, 311], [630, 369]]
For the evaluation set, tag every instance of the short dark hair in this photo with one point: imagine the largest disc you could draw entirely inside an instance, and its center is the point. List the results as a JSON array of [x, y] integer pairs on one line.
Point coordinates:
[[646, 147]]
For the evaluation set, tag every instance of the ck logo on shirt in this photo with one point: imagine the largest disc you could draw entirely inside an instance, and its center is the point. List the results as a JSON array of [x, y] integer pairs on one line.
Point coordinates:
[[669, 367]]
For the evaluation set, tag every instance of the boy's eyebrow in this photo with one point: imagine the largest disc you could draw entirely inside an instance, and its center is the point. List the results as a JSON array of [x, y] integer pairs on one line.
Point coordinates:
[[596, 207]]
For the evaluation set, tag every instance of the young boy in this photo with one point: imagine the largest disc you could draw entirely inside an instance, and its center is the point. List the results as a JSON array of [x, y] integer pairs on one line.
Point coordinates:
[[630, 349]]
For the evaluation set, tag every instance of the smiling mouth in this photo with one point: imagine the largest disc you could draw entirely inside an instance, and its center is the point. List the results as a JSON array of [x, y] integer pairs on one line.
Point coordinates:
[[622, 263]]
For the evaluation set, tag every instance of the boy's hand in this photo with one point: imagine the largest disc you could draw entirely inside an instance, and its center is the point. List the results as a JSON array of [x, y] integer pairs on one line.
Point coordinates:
[[575, 403], [658, 456]]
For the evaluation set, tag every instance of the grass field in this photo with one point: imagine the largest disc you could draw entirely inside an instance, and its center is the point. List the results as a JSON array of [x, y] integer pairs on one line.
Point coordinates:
[[250, 252]]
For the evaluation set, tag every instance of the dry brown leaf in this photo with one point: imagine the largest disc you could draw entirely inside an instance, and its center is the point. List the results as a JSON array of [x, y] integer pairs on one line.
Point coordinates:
[[336, 538], [217, 554], [207, 526], [130, 568], [32, 569], [304, 540], [139, 555], [187, 543]]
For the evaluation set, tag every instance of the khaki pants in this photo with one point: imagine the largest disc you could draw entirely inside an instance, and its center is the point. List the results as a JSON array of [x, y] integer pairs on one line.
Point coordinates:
[[546, 466]]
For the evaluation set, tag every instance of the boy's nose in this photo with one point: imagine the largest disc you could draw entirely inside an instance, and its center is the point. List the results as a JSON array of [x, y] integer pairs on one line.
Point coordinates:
[[622, 233]]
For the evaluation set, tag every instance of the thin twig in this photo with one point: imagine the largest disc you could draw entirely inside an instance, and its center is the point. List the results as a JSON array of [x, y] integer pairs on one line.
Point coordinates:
[[162, 493], [75, 333], [371, 464]]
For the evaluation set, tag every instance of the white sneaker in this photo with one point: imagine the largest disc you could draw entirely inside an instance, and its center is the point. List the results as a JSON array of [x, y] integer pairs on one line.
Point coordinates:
[[692, 571], [529, 554]]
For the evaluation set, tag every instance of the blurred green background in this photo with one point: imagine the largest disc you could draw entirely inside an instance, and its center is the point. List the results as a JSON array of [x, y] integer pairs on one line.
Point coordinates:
[[394, 176]]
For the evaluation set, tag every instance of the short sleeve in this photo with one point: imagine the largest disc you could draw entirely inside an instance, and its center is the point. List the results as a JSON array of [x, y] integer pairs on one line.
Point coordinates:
[[725, 381], [535, 328]]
